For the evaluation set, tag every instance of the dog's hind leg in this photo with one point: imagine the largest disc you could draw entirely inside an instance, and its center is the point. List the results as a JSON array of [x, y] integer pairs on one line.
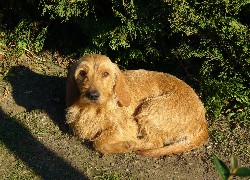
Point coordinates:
[[170, 125]]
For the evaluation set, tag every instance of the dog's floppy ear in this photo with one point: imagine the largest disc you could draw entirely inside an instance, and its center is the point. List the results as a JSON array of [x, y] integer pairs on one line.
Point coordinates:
[[72, 92], [121, 89]]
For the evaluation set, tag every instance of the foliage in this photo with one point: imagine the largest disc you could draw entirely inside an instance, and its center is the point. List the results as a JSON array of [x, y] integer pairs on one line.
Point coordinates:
[[206, 43], [213, 34], [236, 170], [65, 9], [27, 35], [19, 25]]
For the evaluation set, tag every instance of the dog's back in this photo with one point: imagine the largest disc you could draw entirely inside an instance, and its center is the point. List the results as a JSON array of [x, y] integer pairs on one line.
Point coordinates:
[[168, 105], [147, 84]]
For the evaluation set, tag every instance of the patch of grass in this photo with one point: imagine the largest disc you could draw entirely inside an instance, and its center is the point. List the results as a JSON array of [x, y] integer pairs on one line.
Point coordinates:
[[37, 121], [21, 170], [107, 176]]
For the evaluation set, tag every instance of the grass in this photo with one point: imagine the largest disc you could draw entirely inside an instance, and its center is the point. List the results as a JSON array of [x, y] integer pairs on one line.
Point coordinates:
[[107, 176]]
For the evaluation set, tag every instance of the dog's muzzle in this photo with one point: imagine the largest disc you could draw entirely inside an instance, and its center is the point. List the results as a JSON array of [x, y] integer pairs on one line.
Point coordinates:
[[93, 95]]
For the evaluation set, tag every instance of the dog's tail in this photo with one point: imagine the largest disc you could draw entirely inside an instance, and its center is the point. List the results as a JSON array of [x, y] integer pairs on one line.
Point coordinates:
[[186, 144], [176, 148]]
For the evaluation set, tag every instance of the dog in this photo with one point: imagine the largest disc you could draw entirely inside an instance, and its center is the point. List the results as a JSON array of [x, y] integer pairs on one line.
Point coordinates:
[[152, 113]]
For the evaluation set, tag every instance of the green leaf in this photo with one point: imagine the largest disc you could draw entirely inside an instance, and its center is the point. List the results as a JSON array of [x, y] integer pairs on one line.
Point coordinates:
[[242, 172], [222, 168], [234, 162]]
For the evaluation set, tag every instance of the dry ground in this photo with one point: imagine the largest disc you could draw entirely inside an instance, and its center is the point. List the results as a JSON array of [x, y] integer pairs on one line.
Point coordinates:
[[35, 142]]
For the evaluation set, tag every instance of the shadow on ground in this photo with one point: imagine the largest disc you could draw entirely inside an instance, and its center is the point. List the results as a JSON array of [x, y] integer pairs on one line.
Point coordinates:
[[42, 161], [35, 91]]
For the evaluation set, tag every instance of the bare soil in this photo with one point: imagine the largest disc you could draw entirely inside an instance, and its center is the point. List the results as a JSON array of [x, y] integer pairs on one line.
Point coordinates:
[[35, 142]]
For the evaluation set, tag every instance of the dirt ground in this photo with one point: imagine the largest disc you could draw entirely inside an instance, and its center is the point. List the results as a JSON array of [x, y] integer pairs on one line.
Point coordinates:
[[35, 142]]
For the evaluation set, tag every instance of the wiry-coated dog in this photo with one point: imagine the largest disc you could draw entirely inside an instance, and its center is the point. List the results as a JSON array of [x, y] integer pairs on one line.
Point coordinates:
[[152, 113]]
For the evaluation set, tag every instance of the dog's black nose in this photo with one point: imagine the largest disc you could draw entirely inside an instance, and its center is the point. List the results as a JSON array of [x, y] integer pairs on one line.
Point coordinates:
[[93, 95]]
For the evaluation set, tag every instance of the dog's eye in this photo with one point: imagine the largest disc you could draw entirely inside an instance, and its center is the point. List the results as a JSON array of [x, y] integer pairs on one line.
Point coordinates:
[[105, 74], [83, 74]]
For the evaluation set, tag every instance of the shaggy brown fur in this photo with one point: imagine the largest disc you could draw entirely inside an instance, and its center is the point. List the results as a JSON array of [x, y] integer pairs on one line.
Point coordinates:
[[152, 113]]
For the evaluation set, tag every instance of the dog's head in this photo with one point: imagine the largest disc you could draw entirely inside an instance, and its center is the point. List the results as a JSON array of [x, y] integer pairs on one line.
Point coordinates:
[[95, 79]]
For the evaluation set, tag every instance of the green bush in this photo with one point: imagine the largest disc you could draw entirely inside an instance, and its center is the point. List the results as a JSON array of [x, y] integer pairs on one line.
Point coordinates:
[[21, 26], [213, 34], [28, 35], [206, 43]]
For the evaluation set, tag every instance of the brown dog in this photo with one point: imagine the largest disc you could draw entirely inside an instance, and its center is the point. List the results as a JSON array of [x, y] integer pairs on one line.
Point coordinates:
[[152, 113]]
